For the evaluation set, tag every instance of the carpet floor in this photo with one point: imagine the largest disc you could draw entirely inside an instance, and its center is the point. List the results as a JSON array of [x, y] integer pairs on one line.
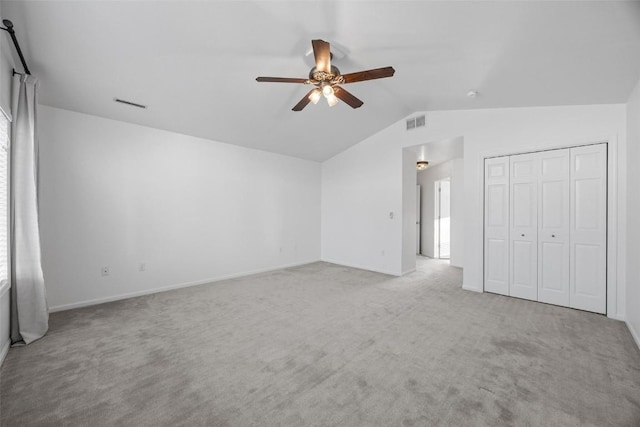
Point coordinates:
[[325, 345]]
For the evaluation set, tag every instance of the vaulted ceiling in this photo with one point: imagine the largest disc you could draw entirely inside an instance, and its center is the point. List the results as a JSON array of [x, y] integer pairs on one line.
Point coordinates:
[[194, 63]]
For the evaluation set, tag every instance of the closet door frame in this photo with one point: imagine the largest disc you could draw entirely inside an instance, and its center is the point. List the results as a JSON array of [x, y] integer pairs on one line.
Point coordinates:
[[615, 293]]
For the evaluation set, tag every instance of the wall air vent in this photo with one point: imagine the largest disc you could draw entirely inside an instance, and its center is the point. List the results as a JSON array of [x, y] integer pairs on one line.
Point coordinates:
[[411, 123], [133, 104], [416, 122]]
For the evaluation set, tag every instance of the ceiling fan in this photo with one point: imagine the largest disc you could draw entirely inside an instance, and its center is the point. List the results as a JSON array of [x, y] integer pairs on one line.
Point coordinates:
[[326, 78]]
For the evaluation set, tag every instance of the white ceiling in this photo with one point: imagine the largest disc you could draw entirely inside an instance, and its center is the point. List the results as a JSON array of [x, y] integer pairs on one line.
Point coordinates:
[[194, 63]]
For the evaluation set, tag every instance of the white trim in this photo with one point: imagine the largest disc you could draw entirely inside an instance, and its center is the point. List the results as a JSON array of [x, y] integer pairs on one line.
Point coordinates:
[[4, 350], [128, 295], [614, 310], [4, 287], [634, 334], [468, 288], [411, 270], [8, 116], [612, 230], [361, 267]]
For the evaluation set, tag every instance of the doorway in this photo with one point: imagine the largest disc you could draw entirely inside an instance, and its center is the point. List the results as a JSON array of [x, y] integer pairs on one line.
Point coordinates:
[[432, 227], [442, 219]]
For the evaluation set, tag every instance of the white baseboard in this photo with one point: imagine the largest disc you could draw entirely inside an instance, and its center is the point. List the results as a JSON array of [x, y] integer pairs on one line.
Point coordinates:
[[616, 317], [103, 300], [634, 334], [408, 271], [467, 288], [4, 350], [361, 267]]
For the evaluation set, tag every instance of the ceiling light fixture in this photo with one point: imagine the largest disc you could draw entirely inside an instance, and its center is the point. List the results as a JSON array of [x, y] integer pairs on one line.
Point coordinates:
[[327, 90], [328, 78], [315, 96], [422, 165], [331, 100]]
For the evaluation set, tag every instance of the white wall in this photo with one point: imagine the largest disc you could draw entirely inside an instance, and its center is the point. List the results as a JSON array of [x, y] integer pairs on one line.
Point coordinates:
[[193, 210], [355, 228], [427, 178], [409, 182], [360, 187], [633, 213]]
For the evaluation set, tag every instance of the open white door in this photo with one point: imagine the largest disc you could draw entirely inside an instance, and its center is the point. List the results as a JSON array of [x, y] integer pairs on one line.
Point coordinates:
[[442, 215], [418, 219]]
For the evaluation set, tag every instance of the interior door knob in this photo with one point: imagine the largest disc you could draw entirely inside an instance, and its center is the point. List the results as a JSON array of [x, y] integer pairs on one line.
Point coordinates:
[[522, 235], [553, 235]]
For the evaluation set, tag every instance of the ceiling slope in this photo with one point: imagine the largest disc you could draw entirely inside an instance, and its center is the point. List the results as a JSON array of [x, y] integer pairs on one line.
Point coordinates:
[[194, 63]]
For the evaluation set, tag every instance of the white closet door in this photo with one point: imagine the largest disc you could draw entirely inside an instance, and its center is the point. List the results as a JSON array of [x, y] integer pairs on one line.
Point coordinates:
[[588, 259], [496, 225], [553, 227], [524, 226]]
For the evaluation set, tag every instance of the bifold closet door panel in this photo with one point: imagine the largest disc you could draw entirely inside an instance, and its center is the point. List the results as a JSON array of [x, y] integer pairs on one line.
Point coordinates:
[[496, 225], [588, 252], [523, 233], [553, 227]]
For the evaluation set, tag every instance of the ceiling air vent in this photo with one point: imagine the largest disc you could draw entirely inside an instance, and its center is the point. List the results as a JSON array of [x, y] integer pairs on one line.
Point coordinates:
[[133, 104], [416, 122]]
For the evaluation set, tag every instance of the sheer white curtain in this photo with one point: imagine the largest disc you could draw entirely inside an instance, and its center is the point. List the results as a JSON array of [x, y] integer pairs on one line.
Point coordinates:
[[29, 313]]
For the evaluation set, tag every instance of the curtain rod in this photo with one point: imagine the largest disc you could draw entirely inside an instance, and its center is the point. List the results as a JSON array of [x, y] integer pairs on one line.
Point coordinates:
[[9, 29]]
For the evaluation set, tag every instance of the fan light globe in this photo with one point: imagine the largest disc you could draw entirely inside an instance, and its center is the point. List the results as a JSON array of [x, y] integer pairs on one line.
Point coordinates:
[[314, 97], [327, 90], [332, 100], [422, 165]]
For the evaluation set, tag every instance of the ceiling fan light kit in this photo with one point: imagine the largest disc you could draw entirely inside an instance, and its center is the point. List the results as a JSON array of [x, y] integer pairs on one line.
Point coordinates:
[[327, 79], [422, 165], [315, 96]]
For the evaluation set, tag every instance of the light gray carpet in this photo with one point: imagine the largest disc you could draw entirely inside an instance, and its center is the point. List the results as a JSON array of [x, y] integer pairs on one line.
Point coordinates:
[[322, 345]]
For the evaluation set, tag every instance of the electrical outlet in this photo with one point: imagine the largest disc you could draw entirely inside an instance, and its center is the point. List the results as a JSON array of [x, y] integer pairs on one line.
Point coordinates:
[[143, 266], [105, 271]]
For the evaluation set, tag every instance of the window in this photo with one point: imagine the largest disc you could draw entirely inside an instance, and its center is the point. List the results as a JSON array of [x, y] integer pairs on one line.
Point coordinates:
[[4, 199]]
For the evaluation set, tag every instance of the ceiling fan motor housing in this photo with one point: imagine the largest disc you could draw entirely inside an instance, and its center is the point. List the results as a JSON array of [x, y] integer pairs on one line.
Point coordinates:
[[322, 76]]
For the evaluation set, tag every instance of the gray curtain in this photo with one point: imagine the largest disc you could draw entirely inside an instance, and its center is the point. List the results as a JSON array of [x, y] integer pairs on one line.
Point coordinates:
[[29, 313]]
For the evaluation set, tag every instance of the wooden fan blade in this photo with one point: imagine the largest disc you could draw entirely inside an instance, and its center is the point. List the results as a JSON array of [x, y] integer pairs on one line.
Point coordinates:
[[347, 97], [280, 80], [322, 53], [377, 73], [303, 102]]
